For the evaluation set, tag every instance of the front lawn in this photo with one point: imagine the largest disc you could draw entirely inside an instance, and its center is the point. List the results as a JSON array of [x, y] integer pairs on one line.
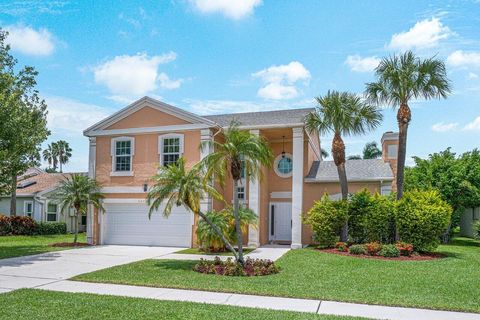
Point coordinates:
[[15, 246], [198, 251], [38, 304], [451, 283]]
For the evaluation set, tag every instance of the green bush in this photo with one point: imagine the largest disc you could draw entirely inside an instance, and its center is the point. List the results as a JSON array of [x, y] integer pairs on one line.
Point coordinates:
[[357, 249], [327, 218], [422, 217], [46, 228], [476, 229], [389, 251], [371, 217]]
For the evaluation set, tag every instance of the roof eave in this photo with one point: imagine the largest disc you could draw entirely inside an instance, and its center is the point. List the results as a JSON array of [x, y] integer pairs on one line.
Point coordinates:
[[374, 179]]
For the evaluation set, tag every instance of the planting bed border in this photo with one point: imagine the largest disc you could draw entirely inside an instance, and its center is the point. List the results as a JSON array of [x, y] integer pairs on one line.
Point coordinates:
[[414, 257]]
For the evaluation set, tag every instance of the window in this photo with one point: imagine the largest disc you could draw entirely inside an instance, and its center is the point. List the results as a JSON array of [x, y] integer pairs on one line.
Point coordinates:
[[241, 193], [386, 189], [122, 153], [52, 211], [392, 151], [84, 220], [28, 208], [283, 165], [171, 148]]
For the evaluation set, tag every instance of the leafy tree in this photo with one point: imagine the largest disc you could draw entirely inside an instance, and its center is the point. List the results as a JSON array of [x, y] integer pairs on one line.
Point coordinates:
[[342, 114], [179, 186], [23, 120], [401, 78], [371, 151], [354, 157], [77, 192], [239, 150]]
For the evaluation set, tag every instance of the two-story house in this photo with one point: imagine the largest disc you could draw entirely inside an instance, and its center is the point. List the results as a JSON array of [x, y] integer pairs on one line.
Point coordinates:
[[127, 148]]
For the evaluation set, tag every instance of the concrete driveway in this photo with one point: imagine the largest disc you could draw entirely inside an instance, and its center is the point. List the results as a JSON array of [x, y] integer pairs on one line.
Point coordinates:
[[41, 269]]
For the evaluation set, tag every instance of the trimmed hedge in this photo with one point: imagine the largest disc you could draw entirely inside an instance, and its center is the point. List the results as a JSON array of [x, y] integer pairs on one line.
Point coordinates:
[[46, 228], [26, 226]]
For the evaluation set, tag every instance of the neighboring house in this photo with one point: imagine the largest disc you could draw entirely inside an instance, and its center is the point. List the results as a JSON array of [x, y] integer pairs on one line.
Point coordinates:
[[127, 147], [467, 219], [36, 198]]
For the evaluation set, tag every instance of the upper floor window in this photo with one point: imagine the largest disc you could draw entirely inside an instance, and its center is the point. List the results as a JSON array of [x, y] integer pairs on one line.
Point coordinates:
[[392, 151], [28, 208], [122, 154], [283, 165], [170, 148]]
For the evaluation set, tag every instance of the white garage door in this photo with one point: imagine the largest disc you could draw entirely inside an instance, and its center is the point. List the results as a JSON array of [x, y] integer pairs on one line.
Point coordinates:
[[128, 224]]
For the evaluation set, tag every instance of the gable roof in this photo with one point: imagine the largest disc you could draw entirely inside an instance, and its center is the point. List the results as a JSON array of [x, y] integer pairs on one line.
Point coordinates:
[[357, 171], [289, 118], [144, 102], [40, 183]]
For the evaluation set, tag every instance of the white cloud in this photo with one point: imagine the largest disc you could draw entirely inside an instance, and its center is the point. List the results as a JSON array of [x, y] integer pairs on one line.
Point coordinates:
[[472, 76], [460, 58], [167, 83], [474, 125], [280, 80], [444, 127], [132, 76], [234, 9], [359, 64], [29, 41], [424, 34]]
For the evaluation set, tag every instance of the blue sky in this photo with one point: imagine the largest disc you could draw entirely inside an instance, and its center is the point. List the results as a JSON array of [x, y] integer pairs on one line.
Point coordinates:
[[214, 56]]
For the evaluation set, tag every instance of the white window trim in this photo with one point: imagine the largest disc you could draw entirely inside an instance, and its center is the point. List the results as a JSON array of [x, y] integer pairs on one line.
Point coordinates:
[[275, 166], [25, 208], [114, 158], [49, 212], [169, 136]]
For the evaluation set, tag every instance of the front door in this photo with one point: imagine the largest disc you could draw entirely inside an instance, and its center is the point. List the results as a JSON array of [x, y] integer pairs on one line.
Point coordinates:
[[281, 221]]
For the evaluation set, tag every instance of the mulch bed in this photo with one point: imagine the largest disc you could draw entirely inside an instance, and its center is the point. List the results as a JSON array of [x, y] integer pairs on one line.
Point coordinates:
[[415, 257], [69, 244]]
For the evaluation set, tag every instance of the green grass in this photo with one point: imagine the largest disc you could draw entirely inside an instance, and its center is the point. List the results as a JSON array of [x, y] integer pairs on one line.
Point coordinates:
[[451, 283], [15, 246], [198, 251], [38, 304]]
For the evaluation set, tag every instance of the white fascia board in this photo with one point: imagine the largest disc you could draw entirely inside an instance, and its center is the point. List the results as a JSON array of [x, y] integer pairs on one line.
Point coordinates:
[[146, 130]]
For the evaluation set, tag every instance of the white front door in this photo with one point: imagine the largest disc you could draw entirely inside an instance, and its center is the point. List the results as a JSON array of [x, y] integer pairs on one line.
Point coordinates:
[[281, 221]]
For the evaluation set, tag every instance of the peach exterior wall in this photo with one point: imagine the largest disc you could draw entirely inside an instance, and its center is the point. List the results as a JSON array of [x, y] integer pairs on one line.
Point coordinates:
[[147, 117]]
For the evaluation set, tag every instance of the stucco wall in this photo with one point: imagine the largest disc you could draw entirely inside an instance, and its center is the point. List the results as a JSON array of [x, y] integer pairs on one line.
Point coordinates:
[[5, 205], [147, 117], [467, 219]]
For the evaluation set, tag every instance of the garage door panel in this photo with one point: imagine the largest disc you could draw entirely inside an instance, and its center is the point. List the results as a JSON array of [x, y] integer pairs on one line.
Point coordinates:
[[129, 224]]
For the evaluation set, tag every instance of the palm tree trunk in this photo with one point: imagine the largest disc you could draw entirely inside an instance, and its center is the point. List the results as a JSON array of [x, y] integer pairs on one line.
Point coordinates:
[[220, 234], [13, 198], [60, 166], [238, 227], [338, 152], [76, 228], [403, 117]]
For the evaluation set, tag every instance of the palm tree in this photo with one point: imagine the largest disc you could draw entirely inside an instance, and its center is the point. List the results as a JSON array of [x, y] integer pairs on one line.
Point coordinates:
[[78, 192], [64, 152], [240, 151], [324, 153], [50, 156], [342, 113], [401, 78], [371, 151], [178, 186]]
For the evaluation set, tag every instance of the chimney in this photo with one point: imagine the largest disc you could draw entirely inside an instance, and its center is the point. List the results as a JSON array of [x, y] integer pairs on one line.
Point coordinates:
[[390, 153]]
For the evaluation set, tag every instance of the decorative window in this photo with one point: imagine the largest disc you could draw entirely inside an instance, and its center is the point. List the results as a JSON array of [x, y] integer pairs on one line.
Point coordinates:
[[170, 148], [28, 208], [122, 154], [283, 165], [52, 211], [392, 151]]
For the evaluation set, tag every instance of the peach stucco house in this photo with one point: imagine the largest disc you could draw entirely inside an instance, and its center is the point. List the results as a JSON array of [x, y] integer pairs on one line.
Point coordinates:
[[127, 147]]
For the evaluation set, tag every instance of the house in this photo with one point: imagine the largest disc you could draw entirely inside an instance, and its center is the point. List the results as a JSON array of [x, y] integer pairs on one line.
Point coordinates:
[[127, 147], [36, 191]]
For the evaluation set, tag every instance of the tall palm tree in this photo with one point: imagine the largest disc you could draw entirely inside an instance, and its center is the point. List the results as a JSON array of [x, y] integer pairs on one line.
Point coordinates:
[[77, 192], [343, 114], [64, 152], [240, 150], [178, 186], [50, 156], [401, 78], [371, 151]]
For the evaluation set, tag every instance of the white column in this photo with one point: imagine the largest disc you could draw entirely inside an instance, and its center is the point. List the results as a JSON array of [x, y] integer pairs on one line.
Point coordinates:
[[297, 188], [205, 135], [254, 205], [92, 154]]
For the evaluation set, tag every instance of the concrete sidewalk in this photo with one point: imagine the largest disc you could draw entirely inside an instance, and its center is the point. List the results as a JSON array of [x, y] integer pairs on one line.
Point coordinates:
[[276, 303]]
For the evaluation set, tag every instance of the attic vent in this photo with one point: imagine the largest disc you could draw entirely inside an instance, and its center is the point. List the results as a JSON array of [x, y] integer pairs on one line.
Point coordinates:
[[25, 184]]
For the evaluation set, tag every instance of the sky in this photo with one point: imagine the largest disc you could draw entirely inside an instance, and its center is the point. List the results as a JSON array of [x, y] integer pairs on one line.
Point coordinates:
[[220, 56]]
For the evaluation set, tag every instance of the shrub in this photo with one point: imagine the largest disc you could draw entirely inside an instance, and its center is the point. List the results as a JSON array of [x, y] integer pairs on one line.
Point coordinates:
[[22, 225], [5, 226], [422, 217], [389, 251], [357, 249], [341, 246], [327, 218], [406, 249], [46, 228], [253, 267], [360, 205], [476, 229], [373, 248]]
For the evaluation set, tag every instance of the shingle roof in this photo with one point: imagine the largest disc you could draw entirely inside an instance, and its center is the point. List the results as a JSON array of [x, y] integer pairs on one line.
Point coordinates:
[[357, 170], [277, 117], [40, 182]]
